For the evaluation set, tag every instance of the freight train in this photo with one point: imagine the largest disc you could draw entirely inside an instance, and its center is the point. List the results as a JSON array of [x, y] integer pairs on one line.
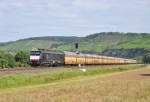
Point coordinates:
[[55, 58]]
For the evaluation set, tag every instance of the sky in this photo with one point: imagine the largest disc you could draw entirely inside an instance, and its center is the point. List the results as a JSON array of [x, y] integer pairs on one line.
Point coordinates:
[[29, 18]]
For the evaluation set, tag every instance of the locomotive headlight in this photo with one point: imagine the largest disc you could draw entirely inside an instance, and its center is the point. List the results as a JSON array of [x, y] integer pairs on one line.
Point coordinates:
[[34, 57]]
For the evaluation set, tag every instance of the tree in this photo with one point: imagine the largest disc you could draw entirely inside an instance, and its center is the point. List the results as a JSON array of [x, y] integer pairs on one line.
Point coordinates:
[[22, 57], [3, 63], [6, 60], [11, 60]]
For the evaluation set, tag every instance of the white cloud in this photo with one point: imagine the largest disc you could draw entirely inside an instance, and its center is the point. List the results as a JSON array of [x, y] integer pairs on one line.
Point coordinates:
[[73, 16]]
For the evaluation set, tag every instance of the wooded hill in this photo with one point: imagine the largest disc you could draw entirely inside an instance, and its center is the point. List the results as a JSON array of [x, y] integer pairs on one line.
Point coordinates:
[[92, 43]]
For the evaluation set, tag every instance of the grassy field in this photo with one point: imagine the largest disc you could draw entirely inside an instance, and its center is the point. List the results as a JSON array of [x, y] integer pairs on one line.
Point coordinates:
[[73, 85], [25, 79]]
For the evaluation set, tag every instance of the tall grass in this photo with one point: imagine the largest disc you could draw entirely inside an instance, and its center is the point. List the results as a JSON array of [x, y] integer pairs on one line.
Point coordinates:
[[48, 77]]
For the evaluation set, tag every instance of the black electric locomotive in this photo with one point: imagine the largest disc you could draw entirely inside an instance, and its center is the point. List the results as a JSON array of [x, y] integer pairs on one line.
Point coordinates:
[[45, 57]]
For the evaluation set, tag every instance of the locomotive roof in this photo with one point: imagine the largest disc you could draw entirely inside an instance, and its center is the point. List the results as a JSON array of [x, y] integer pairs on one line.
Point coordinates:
[[53, 52]]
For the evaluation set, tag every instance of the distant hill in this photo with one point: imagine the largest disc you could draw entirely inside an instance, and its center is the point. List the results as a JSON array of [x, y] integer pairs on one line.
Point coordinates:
[[36, 42], [92, 43], [126, 53], [111, 40]]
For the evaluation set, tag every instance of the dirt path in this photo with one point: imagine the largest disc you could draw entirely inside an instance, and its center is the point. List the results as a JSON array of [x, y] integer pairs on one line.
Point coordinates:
[[142, 74]]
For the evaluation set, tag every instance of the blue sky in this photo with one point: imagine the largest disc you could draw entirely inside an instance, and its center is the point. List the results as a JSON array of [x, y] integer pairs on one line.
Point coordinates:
[[27, 18]]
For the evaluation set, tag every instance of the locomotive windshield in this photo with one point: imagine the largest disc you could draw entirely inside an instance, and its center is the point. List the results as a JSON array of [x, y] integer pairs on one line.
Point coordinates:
[[35, 53]]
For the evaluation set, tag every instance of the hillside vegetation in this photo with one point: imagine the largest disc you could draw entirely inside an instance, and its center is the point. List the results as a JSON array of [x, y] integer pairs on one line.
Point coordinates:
[[95, 42], [101, 41], [36, 42]]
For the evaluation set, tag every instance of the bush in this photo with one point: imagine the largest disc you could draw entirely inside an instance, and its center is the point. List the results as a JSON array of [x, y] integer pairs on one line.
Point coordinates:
[[22, 59], [19, 64], [6, 60], [3, 63]]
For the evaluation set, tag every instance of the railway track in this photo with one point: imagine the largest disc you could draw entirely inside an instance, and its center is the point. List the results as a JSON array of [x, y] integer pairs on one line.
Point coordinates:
[[24, 70], [18, 69], [34, 69], [39, 69], [8, 71], [44, 68]]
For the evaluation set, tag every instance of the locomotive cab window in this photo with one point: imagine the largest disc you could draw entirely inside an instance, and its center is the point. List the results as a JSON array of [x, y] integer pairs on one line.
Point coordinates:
[[35, 53]]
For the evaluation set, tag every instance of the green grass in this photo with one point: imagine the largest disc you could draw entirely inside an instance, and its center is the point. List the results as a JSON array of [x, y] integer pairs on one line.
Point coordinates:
[[18, 80], [105, 88]]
